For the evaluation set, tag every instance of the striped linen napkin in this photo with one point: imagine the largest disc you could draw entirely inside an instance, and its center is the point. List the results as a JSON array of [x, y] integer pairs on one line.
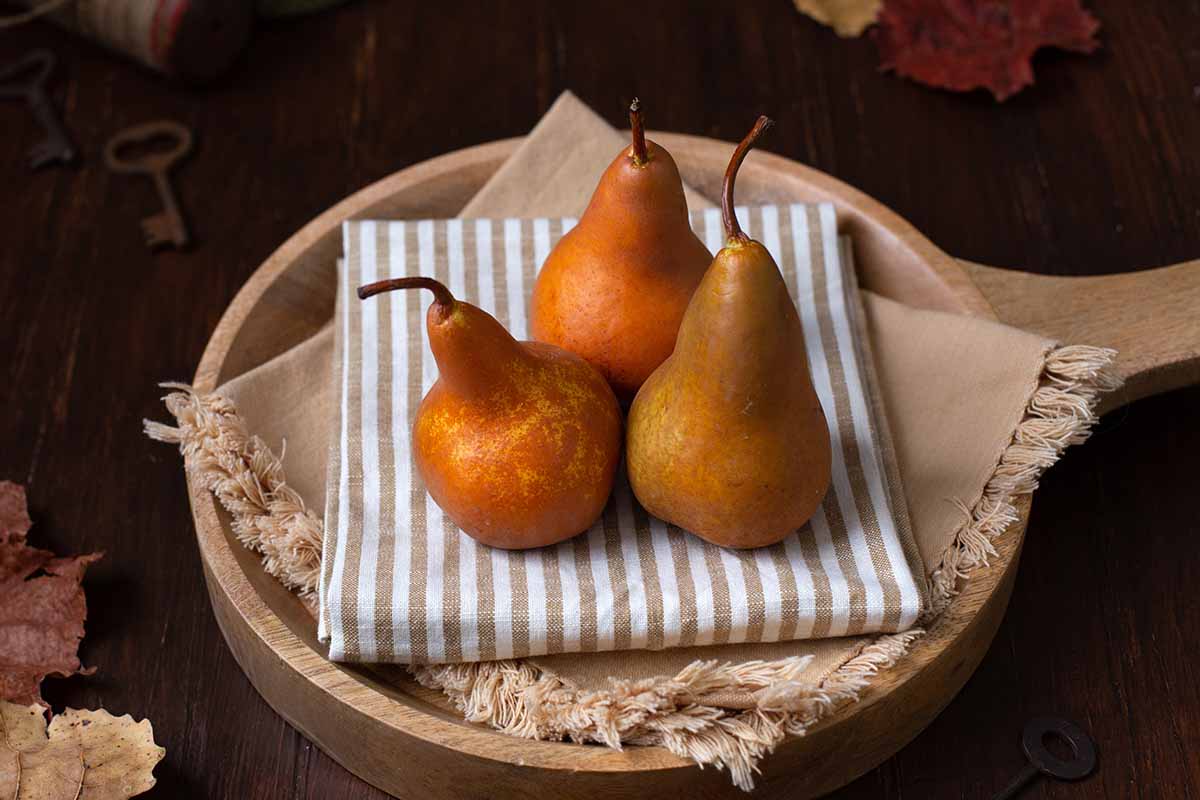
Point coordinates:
[[400, 583]]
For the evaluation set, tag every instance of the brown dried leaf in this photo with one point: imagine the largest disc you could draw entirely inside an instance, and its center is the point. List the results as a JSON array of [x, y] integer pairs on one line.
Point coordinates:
[[83, 755], [848, 18], [41, 618]]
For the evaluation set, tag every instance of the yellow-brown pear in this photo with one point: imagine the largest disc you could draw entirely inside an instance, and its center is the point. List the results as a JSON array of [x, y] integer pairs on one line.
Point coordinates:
[[615, 287], [727, 438]]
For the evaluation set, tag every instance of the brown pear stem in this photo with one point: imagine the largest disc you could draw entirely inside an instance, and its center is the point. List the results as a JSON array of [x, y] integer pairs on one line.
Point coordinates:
[[441, 295], [733, 231], [637, 126]]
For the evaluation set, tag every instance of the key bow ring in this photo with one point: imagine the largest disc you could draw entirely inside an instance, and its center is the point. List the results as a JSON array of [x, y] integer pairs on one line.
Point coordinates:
[[147, 132]]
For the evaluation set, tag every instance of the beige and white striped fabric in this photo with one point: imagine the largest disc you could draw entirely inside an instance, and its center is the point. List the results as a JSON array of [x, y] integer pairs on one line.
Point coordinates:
[[400, 583]]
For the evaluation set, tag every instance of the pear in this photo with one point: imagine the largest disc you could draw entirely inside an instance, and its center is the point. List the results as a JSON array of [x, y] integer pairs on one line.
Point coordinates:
[[615, 287], [727, 438], [518, 442]]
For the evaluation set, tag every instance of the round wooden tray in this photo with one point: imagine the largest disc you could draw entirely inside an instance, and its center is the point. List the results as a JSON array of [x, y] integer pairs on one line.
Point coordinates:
[[407, 740]]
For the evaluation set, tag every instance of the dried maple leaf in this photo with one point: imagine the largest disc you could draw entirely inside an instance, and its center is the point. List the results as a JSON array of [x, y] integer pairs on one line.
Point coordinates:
[[41, 616], [82, 755], [972, 44], [14, 512], [848, 18]]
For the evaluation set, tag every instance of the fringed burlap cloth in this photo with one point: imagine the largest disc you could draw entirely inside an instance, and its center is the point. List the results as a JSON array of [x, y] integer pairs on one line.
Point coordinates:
[[977, 412]]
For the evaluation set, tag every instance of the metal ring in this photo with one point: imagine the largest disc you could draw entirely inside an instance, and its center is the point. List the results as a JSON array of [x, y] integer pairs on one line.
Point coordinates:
[[1084, 749], [143, 133]]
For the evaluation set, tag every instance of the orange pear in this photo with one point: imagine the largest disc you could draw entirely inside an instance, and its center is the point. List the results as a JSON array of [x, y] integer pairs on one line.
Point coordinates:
[[518, 442], [614, 288]]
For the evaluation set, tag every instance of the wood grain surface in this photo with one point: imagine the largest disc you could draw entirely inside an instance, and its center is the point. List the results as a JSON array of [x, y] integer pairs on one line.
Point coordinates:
[[1093, 171]]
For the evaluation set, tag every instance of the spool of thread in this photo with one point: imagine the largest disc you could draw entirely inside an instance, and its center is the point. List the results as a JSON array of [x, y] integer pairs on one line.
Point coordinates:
[[195, 40]]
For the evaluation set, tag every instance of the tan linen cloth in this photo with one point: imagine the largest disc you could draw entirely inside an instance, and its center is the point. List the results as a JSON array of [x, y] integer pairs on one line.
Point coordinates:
[[954, 388], [402, 584]]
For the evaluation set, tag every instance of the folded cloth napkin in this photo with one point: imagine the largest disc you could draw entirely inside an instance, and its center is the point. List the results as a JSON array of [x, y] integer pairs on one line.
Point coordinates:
[[401, 583], [977, 410]]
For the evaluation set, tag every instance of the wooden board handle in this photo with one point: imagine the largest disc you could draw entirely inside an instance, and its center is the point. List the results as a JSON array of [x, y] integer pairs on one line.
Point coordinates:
[[1151, 317]]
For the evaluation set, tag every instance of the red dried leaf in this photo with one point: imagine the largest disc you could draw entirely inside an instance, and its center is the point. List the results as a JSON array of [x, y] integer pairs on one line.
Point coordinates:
[[41, 617], [972, 44], [14, 514]]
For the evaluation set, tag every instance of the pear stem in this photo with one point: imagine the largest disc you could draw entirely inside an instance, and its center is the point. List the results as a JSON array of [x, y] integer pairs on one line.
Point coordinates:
[[637, 126], [441, 295], [733, 231]]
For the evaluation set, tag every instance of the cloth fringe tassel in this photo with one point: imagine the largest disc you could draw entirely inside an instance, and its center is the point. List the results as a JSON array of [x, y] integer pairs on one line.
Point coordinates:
[[1061, 412], [269, 517], [520, 700], [677, 712]]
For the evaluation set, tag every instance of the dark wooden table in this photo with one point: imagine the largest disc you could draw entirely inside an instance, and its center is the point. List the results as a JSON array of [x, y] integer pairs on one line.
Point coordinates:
[[1095, 170]]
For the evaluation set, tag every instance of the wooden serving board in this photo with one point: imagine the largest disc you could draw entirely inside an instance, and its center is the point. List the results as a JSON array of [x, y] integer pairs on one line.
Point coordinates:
[[405, 739]]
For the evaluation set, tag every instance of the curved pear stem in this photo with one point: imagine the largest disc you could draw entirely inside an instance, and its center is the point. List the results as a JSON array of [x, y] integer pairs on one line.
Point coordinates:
[[733, 231], [637, 126], [441, 295]]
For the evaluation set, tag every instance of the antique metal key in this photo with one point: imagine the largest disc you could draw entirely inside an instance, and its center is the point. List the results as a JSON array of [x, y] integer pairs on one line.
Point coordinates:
[[168, 226], [39, 63], [1043, 762]]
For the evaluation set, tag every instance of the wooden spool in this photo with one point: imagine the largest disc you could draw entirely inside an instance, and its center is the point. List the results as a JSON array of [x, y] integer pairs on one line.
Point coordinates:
[[407, 740]]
